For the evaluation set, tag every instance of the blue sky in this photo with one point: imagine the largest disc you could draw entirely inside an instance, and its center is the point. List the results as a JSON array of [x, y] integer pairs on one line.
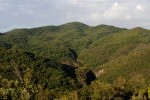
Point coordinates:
[[35, 13]]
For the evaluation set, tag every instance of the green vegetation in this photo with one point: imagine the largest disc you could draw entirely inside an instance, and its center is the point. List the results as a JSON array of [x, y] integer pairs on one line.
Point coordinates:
[[75, 61], [31, 71]]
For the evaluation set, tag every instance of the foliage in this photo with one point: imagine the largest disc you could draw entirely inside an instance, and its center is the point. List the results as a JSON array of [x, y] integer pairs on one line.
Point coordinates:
[[32, 73], [60, 62]]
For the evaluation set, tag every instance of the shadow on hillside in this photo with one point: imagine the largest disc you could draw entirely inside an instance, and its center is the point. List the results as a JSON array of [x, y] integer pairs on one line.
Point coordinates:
[[90, 76], [70, 71]]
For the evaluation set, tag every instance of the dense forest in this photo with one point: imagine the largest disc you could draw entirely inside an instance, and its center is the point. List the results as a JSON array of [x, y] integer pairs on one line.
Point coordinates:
[[75, 61]]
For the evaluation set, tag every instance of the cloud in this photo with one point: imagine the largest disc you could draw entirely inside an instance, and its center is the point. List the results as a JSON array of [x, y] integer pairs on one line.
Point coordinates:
[[114, 12], [139, 7], [33, 13]]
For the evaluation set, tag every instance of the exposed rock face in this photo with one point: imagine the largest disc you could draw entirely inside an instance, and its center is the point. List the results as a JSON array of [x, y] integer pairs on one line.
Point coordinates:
[[100, 72]]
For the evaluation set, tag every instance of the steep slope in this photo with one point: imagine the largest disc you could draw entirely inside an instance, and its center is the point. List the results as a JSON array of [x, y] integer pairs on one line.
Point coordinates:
[[110, 46], [77, 44], [122, 54], [19, 65], [57, 62], [133, 63]]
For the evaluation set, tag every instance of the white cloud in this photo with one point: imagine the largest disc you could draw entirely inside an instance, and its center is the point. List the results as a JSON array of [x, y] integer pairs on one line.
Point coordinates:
[[117, 12], [114, 11], [139, 7]]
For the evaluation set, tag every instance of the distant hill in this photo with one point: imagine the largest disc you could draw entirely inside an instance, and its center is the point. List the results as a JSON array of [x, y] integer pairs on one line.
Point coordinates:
[[95, 47], [1, 34]]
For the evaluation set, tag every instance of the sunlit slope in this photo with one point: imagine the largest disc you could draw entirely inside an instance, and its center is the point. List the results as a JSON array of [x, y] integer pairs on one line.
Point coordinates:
[[124, 54]]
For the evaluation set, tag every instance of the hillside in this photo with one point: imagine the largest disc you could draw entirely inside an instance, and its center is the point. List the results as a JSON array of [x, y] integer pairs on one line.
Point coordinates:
[[72, 52], [115, 49]]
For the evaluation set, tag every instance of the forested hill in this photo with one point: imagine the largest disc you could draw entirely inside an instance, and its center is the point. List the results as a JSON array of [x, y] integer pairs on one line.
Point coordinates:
[[71, 56], [76, 36]]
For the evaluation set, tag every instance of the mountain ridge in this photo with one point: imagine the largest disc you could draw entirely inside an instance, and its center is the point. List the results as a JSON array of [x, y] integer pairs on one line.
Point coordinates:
[[64, 25]]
